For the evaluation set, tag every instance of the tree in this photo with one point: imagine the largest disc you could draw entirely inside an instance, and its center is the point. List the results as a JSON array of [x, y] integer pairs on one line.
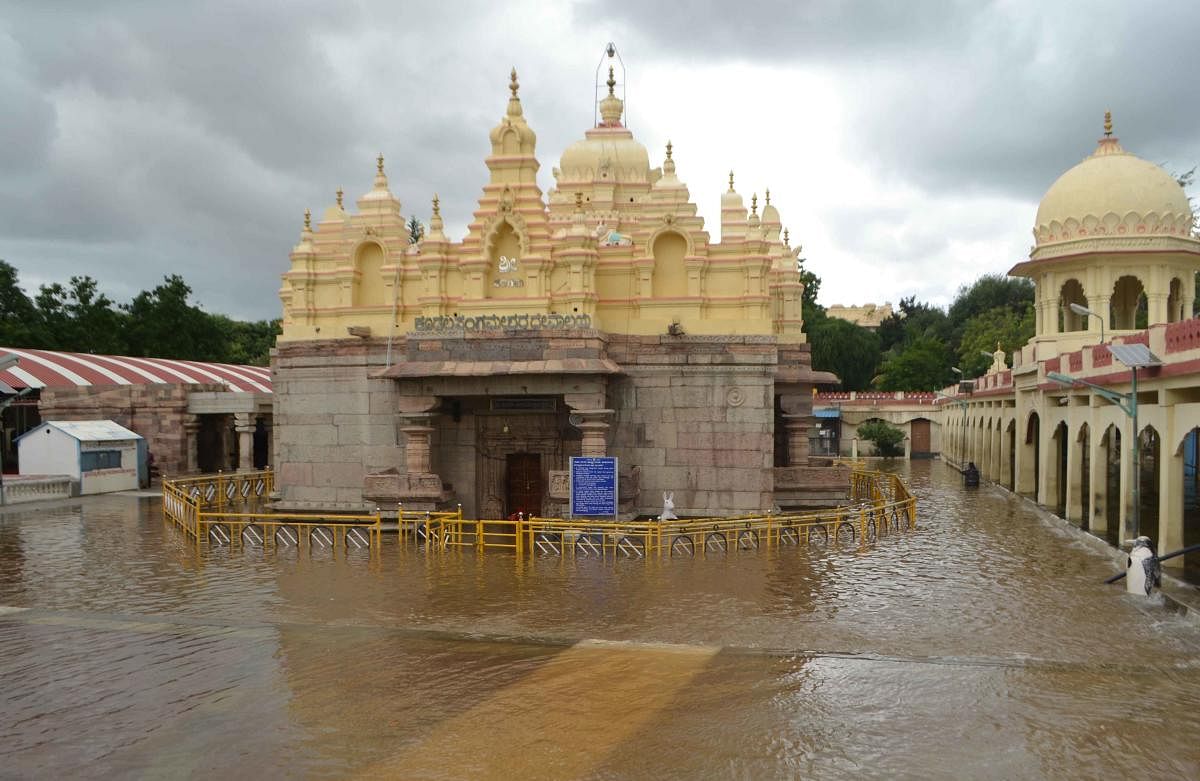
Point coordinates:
[[809, 308], [923, 364], [249, 343], [1001, 325], [416, 231], [18, 317], [886, 437], [163, 324], [79, 318], [848, 350], [990, 292], [912, 320]]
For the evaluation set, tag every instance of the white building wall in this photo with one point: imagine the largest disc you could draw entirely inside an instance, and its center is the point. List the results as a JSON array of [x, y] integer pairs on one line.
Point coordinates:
[[122, 478], [47, 451]]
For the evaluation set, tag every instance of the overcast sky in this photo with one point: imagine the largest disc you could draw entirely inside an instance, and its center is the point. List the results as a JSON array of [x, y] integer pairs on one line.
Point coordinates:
[[906, 144]]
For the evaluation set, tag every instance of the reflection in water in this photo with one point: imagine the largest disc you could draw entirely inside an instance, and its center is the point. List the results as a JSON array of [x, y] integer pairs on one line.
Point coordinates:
[[984, 634]]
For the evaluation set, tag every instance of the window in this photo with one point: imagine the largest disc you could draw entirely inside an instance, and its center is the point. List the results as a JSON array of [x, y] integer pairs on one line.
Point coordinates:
[[92, 460]]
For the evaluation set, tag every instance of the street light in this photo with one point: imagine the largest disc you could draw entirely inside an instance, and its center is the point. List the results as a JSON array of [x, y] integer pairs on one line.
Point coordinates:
[[1135, 356], [1080, 309]]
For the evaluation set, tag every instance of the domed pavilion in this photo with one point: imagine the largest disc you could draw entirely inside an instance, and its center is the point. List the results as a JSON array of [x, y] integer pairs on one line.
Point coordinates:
[[1113, 235]]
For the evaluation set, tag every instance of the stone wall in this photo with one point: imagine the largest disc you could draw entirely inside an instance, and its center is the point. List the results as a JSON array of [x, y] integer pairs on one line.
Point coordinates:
[[157, 412], [332, 423], [696, 414]]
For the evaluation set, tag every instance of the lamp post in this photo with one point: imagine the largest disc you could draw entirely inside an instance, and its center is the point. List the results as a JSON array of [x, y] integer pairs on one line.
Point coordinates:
[[1080, 309], [1135, 356]]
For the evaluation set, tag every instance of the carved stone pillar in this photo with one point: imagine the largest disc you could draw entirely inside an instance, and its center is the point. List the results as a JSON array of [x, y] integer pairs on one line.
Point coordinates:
[[595, 431], [191, 428], [417, 442], [797, 438], [243, 423]]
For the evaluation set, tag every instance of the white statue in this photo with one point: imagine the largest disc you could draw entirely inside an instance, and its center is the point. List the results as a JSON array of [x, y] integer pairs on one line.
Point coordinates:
[[668, 512]]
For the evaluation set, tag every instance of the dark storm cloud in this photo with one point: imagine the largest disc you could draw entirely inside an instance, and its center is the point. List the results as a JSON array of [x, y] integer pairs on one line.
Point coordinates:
[[968, 97], [142, 139]]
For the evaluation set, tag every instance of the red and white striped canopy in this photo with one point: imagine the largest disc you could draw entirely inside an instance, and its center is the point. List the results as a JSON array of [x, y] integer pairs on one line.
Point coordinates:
[[48, 369]]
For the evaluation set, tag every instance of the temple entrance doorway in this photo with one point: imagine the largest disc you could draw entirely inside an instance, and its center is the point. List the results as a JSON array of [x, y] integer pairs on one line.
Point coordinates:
[[523, 483]]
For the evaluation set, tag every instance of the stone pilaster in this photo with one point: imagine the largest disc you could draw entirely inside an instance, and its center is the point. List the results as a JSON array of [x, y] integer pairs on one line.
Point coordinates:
[[243, 423], [191, 428]]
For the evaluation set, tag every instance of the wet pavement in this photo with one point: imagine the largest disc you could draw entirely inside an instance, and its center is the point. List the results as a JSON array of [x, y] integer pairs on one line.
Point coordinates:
[[983, 645]]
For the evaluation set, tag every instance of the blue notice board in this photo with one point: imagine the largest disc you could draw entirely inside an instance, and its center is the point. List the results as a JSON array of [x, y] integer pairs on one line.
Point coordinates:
[[594, 486]]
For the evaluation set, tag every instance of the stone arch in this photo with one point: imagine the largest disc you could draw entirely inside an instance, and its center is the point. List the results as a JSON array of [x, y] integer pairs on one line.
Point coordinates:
[[1188, 458], [1175, 301], [1128, 305], [669, 248], [1030, 460], [1081, 477], [1071, 292], [1150, 456], [369, 289], [1110, 446], [1010, 460], [1056, 475]]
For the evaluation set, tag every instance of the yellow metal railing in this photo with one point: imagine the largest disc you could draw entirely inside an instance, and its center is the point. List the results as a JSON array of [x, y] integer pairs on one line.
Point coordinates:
[[208, 508], [881, 504]]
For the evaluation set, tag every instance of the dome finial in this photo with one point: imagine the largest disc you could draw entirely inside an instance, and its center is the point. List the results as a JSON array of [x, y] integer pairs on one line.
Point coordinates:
[[513, 84], [307, 219], [768, 197], [339, 195], [379, 163], [786, 242], [668, 149], [612, 82], [754, 204], [731, 180], [1107, 123], [436, 210]]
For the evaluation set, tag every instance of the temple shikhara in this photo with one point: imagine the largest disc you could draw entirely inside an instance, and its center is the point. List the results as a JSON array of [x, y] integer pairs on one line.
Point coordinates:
[[599, 318]]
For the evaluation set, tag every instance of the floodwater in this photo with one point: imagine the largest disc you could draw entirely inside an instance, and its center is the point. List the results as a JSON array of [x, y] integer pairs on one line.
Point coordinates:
[[983, 645]]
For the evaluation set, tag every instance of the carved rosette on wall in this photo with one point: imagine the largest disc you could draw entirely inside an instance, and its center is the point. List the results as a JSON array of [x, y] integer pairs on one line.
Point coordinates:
[[735, 397]]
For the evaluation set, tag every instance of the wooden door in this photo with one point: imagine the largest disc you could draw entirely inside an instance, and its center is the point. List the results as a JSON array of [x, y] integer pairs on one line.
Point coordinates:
[[920, 439], [523, 483]]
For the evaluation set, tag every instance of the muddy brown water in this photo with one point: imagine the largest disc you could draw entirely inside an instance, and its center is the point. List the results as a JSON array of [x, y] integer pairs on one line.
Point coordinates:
[[980, 645]]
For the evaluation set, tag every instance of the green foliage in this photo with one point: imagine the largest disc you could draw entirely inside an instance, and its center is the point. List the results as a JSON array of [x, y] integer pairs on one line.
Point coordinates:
[[991, 291], [249, 342], [1001, 325], [18, 318], [887, 438], [164, 325], [848, 350], [79, 318], [922, 364], [158, 323], [416, 231], [810, 310]]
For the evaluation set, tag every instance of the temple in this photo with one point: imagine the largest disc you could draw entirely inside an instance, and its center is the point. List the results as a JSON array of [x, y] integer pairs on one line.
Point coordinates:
[[599, 318]]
